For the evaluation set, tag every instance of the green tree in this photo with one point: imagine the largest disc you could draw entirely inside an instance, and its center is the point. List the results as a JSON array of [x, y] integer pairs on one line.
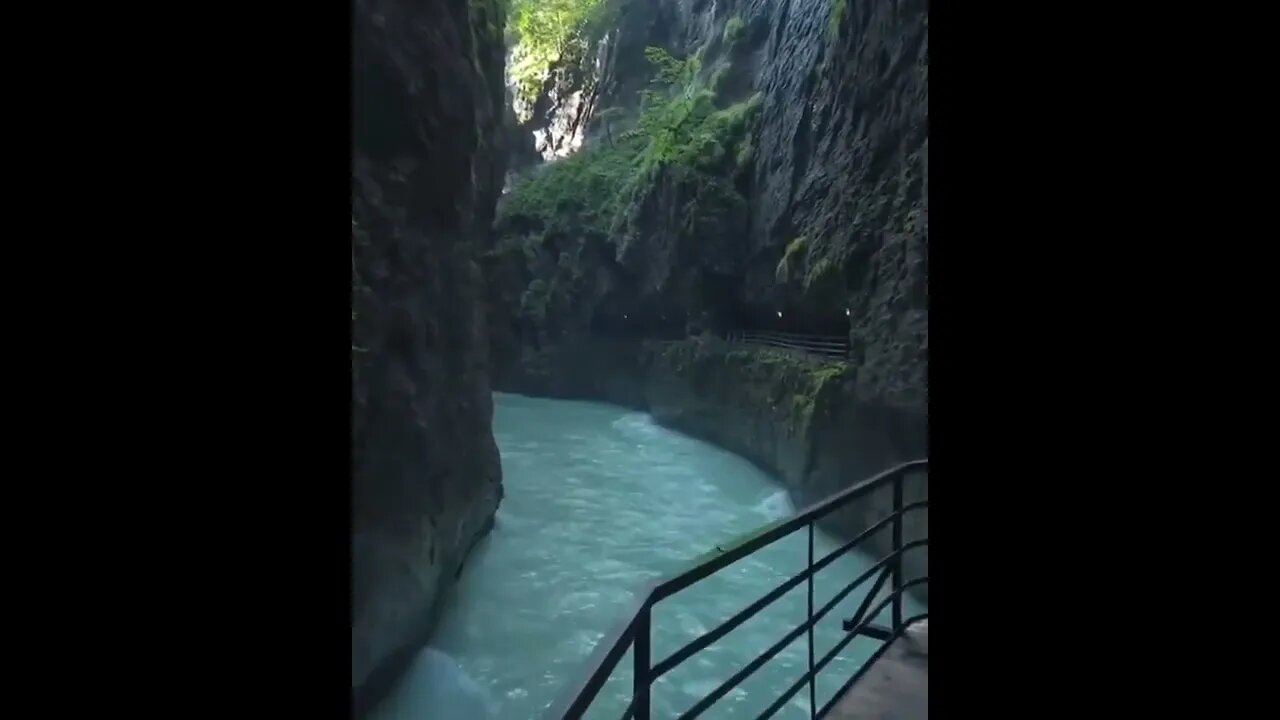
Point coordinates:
[[547, 31]]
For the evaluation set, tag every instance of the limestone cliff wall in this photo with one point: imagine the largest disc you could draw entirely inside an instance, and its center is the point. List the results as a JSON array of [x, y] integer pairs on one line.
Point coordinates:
[[426, 172]]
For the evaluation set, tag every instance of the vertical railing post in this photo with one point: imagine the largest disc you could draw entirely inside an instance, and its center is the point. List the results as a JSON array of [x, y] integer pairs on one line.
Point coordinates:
[[640, 653], [809, 618], [897, 549]]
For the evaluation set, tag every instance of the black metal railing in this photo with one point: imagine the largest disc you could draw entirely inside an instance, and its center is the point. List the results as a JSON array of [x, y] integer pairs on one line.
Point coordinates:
[[634, 632], [833, 346]]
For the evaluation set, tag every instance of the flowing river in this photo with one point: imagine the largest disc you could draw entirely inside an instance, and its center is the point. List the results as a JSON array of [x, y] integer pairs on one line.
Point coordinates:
[[600, 501]]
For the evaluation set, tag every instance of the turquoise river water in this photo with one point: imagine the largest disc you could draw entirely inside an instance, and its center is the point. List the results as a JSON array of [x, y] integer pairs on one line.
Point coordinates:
[[600, 501]]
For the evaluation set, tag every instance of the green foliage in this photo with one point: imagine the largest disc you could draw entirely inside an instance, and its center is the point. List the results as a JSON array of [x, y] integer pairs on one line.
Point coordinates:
[[823, 271], [681, 120], [583, 187], [733, 120], [734, 30], [795, 249], [797, 246], [793, 389], [670, 71], [838, 9], [678, 131], [678, 124], [812, 265], [673, 127], [546, 31]]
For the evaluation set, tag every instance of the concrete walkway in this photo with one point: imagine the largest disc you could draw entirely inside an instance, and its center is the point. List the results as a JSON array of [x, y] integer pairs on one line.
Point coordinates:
[[896, 686]]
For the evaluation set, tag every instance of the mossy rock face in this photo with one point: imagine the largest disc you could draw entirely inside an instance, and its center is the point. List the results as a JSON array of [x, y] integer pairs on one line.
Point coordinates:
[[734, 29], [797, 416], [838, 10], [789, 389], [793, 259], [660, 199]]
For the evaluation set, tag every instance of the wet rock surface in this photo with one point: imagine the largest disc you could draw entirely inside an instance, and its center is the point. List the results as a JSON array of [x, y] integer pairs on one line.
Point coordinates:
[[426, 171]]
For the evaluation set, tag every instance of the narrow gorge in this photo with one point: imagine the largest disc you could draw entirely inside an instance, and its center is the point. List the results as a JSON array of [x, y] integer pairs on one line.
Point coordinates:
[[582, 200], [743, 166]]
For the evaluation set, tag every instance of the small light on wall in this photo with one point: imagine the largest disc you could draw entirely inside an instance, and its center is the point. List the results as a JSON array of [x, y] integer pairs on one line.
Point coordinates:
[[625, 316], [779, 313], [846, 312]]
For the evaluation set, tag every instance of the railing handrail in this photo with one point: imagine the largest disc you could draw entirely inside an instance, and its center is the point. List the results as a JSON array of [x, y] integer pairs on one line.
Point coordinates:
[[833, 345], [610, 649], [791, 341], [833, 338], [789, 337]]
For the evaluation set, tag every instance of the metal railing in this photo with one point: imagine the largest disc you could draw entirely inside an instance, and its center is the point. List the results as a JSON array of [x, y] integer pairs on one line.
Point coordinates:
[[825, 345], [634, 632]]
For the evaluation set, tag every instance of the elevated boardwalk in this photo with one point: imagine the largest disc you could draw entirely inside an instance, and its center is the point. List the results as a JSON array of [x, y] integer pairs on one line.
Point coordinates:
[[895, 686]]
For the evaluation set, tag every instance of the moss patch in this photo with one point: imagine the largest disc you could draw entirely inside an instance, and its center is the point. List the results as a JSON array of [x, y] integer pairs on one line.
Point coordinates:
[[718, 77], [792, 259], [734, 30], [589, 187], [838, 10], [793, 389]]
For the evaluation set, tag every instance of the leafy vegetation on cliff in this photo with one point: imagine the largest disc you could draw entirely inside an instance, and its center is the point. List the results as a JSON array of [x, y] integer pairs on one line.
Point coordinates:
[[734, 29], [678, 125], [792, 258], [547, 32], [791, 386], [816, 266], [584, 187], [838, 9], [677, 149]]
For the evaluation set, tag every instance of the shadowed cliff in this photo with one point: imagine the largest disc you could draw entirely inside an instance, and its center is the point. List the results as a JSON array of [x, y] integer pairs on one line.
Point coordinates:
[[427, 102]]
